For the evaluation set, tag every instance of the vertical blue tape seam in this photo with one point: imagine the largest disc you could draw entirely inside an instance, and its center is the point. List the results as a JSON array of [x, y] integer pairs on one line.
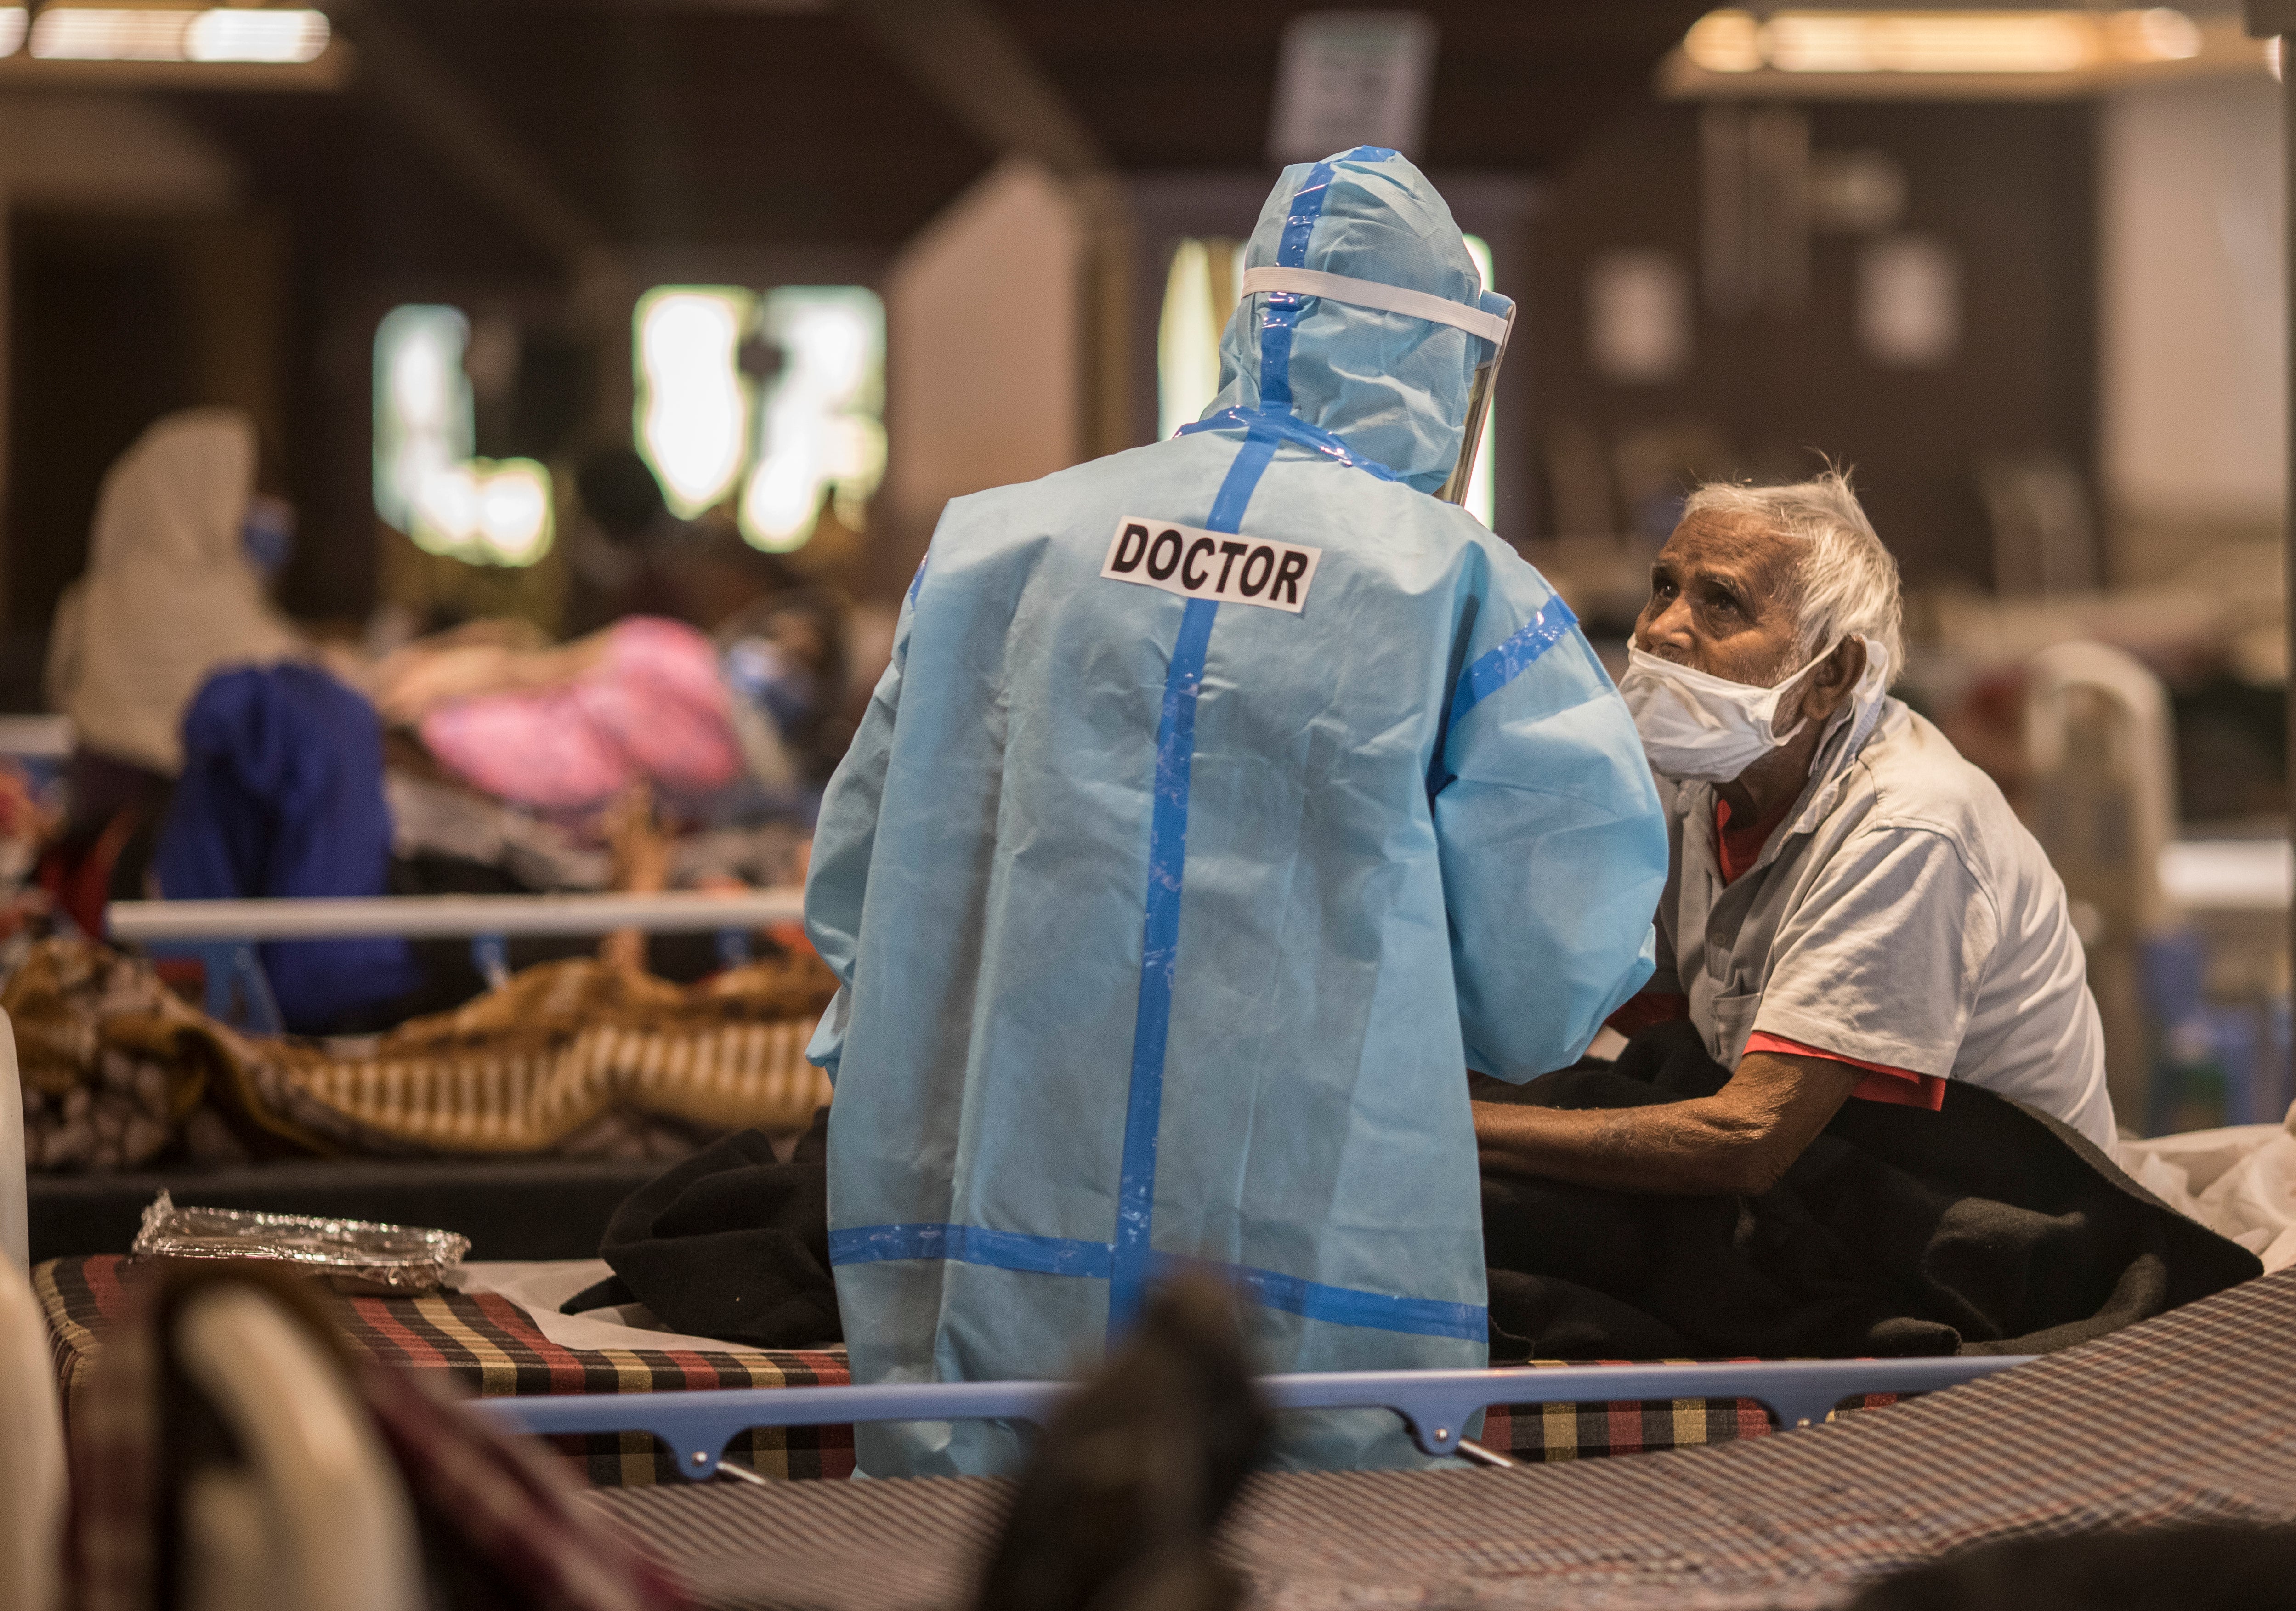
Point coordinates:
[[1094, 1261], [1495, 669], [1279, 313], [1175, 742], [1159, 939]]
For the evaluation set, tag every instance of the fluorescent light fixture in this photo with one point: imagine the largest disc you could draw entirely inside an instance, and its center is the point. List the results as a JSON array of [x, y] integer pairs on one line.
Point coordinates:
[[242, 34], [1937, 42], [692, 407], [2158, 35], [13, 21], [249, 34]]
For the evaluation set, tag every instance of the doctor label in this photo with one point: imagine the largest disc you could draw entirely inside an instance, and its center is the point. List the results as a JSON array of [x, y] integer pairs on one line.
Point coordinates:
[[1219, 565]]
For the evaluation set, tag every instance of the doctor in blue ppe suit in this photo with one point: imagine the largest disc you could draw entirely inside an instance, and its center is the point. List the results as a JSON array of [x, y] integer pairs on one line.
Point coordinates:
[[1223, 798]]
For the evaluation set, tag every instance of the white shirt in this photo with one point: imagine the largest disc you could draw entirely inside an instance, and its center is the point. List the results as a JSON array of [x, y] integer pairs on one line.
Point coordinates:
[[1901, 916]]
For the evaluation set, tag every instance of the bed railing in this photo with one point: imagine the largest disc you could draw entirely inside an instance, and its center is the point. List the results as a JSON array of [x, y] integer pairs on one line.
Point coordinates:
[[1437, 1406], [222, 935]]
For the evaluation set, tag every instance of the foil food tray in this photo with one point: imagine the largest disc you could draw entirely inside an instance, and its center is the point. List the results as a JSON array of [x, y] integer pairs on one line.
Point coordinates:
[[352, 1255]]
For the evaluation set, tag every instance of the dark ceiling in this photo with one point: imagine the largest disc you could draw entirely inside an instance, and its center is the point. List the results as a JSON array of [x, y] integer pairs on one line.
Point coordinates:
[[669, 125]]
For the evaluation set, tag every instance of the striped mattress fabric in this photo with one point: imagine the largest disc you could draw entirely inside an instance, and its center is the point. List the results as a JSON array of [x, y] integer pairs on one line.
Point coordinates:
[[561, 1046], [2187, 1417]]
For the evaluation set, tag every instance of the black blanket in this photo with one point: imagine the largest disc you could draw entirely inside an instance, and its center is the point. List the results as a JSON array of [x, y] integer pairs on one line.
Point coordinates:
[[1984, 1228], [729, 1244]]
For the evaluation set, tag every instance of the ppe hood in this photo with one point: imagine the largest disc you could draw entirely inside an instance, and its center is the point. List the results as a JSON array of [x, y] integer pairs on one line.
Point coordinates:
[[1394, 386]]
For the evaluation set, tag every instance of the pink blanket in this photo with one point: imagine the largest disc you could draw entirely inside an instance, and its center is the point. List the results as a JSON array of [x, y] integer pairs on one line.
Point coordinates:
[[655, 709]]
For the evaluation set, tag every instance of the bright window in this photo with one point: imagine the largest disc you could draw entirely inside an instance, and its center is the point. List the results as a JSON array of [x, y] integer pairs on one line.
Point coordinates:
[[426, 482], [820, 430], [692, 407], [776, 400], [1200, 294]]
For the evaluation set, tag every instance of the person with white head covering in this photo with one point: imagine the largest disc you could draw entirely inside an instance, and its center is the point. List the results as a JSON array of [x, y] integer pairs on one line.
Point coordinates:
[[171, 593], [1852, 911]]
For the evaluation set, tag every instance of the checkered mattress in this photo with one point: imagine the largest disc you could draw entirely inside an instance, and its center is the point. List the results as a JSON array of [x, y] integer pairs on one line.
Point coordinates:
[[488, 1345], [2186, 1417]]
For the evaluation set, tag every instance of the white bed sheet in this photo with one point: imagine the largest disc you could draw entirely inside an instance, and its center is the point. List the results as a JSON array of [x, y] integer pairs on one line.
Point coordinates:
[[2239, 1182], [539, 1289]]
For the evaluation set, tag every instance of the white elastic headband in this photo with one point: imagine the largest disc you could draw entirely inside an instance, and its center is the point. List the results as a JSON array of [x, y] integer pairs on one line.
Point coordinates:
[[1385, 299]]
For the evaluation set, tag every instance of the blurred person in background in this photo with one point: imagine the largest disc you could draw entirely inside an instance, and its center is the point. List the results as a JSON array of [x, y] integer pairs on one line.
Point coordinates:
[[627, 560], [181, 557], [1852, 911]]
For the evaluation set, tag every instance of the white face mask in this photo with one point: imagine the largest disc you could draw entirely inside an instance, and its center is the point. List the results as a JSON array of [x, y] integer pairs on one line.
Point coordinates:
[[1699, 727]]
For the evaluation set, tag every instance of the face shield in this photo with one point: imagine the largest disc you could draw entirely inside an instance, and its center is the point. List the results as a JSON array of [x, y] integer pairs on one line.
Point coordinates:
[[1490, 319]]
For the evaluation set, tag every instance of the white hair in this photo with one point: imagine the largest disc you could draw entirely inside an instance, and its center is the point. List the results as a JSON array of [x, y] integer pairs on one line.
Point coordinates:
[[1844, 580]]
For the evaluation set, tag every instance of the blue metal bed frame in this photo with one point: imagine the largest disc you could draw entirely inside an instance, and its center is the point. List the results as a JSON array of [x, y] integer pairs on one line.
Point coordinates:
[[1435, 1406]]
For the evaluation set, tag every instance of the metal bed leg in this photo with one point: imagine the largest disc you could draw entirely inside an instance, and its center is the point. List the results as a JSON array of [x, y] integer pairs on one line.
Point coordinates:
[[1471, 1450], [490, 955], [237, 990]]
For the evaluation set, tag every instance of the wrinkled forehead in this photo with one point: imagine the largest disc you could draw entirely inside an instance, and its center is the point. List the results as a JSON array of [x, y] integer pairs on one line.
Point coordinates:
[[1742, 547]]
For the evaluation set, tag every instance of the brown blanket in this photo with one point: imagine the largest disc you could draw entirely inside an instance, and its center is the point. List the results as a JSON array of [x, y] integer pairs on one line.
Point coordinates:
[[570, 1057]]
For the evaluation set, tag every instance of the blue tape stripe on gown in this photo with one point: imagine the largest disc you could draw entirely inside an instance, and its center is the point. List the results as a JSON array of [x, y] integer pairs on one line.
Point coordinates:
[[1061, 1256], [1494, 669], [1291, 428], [1348, 1306], [1176, 743], [969, 1244], [1159, 944]]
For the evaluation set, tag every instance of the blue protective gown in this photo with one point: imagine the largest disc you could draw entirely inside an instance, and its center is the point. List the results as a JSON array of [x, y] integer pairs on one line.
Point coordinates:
[[1167, 926]]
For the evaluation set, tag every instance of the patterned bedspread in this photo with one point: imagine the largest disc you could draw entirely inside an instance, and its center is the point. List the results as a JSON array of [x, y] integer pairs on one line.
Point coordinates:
[[486, 1345]]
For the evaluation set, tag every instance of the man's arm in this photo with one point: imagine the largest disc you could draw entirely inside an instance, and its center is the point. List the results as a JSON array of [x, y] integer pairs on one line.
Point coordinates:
[[1738, 1142]]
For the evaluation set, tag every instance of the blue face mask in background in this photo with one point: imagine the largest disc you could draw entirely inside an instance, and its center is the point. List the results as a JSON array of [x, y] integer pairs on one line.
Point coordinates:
[[770, 678], [267, 532]]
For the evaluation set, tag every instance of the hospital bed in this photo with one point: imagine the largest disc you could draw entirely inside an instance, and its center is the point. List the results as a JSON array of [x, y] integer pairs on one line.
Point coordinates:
[[2185, 1418], [1437, 1407], [629, 1409], [521, 1209]]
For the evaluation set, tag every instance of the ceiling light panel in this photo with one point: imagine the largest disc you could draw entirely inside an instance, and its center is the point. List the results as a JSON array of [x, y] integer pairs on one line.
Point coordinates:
[[2027, 42], [220, 34]]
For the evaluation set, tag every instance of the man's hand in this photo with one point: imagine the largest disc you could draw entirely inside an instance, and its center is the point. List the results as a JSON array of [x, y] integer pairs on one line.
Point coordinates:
[[1738, 1142]]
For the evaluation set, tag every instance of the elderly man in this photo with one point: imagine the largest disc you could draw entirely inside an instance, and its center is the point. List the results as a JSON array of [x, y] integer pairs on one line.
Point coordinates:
[[1851, 911]]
